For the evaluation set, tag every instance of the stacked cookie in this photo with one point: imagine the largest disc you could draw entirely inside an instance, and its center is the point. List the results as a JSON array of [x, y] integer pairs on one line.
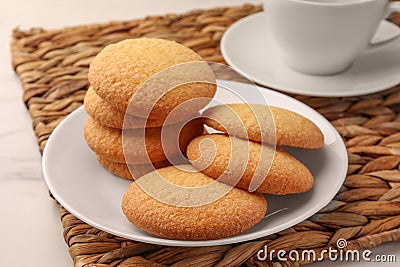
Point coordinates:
[[208, 217], [133, 99], [243, 155]]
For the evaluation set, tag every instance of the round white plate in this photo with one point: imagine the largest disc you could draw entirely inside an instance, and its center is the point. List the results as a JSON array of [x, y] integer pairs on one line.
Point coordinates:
[[248, 47], [92, 194]]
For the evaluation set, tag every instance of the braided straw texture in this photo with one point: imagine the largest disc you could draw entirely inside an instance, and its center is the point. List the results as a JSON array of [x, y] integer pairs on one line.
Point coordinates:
[[53, 65]]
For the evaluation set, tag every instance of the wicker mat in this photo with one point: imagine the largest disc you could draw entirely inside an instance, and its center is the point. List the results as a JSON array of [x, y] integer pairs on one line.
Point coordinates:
[[53, 65]]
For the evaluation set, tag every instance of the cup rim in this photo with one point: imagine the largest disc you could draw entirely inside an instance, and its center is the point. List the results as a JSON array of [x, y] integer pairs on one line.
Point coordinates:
[[307, 2]]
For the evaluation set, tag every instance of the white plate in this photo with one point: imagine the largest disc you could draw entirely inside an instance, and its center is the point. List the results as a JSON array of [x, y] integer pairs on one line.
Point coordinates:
[[92, 194], [249, 48]]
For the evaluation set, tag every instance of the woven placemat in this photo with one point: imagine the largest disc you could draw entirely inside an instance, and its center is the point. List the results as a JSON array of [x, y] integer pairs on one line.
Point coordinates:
[[53, 64]]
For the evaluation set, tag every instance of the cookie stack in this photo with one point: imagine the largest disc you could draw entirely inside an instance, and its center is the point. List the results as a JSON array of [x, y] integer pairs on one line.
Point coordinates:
[[135, 87], [142, 105]]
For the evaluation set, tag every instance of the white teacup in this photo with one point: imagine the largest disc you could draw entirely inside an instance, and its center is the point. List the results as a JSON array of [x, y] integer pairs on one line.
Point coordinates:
[[323, 37]]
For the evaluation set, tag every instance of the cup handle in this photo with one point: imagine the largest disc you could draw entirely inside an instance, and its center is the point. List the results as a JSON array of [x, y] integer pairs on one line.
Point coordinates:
[[392, 7]]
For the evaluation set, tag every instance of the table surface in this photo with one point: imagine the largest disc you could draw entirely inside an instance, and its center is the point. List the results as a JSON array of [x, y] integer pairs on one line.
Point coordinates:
[[30, 229]]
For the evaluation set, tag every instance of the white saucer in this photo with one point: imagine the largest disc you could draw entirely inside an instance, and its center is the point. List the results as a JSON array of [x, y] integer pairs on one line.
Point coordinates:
[[248, 47], [92, 194]]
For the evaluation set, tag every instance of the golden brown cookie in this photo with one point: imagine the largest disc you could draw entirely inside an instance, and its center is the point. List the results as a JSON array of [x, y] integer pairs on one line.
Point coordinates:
[[107, 142], [241, 161], [291, 129], [122, 170], [109, 116], [124, 69], [234, 213]]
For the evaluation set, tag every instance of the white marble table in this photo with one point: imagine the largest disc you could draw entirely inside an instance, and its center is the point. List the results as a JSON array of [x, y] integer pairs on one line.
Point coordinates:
[[30, 229]]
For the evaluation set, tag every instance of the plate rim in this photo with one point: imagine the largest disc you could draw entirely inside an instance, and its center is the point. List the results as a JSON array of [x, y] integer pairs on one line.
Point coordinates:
[[277, 87], [187, 243]]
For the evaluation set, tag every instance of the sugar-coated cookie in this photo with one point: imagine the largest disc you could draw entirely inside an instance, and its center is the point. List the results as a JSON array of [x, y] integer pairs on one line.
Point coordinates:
[[107, 142], [129, 68], [122, 170], [234, 213], [291, 129], [109, 116], [241, 161]]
